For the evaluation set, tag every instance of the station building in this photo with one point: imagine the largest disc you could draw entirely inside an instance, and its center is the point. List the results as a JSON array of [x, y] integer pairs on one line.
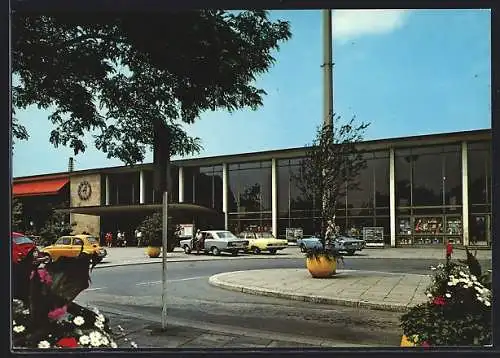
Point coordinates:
[[421, 190]]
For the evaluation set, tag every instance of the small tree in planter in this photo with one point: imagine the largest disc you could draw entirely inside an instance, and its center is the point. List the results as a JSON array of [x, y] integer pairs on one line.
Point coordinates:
[[331, 167], [57, 225], [151, 229]]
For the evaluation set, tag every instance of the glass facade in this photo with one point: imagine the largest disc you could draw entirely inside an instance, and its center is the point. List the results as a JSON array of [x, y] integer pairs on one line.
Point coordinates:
[[428, 195], [480, 189], [208, 187], [249, 195]]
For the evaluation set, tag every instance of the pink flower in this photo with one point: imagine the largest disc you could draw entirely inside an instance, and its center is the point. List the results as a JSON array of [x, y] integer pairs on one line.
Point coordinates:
[[45, 276], [425, 344], [57, 313], [439, 301]]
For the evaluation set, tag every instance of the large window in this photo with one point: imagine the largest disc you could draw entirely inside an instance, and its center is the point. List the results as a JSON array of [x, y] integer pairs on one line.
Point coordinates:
[[428, 195], [250, 187], [208, 183], [480, 187]]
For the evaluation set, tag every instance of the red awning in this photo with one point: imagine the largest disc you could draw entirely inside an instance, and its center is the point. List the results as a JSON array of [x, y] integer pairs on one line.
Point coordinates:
[[41, 187]]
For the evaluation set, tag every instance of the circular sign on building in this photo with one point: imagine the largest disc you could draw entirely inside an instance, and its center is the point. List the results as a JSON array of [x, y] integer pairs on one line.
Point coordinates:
[[84, 190]]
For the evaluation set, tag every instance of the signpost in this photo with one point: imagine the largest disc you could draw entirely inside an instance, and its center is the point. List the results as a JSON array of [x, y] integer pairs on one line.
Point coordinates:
[[164, 262], [373, 236]]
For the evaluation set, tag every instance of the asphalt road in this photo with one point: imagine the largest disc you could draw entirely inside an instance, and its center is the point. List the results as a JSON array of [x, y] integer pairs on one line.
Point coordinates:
[[137, 289]]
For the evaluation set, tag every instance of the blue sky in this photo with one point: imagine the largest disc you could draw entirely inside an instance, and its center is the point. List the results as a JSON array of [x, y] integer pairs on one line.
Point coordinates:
[[406, 72]]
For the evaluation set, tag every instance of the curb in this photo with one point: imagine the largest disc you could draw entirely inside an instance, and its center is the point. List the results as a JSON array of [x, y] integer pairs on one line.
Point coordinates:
[[393, 307]]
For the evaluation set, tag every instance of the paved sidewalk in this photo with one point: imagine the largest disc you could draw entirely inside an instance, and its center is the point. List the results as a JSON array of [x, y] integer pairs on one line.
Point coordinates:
[[358, 288], [118, 256], [145, 332]]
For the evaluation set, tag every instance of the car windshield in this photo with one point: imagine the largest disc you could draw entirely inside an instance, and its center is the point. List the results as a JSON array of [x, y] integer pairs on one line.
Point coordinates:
[[92, 240], [225, 235], [265, 235], [22, 240]]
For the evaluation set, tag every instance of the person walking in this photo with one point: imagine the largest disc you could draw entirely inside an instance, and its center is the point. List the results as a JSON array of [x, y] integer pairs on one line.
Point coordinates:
[[119, 238], [199, 237], [449, 250], [109, 239], [138, 237]]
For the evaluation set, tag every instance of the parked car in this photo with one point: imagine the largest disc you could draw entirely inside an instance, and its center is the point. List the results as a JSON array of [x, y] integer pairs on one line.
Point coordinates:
[[216, 242], [262, 241], [21, 247], [71, 246], [341, 243]]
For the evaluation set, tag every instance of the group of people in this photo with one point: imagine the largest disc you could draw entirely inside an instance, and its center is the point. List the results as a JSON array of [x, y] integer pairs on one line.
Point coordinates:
[[120, 239]]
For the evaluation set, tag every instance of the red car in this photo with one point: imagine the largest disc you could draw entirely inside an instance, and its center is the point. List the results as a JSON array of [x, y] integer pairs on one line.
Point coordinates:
[[21, 246]]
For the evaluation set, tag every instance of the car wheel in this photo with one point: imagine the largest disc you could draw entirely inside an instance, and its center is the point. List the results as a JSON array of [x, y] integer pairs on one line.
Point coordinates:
[[215, 251], [256, 250], [350, 252], [234, 253], [302, 248], [272, 251], [187, 250]]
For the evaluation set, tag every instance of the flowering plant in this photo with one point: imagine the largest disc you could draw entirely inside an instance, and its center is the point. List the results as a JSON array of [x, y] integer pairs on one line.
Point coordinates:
[[458, 312], [44, 314]]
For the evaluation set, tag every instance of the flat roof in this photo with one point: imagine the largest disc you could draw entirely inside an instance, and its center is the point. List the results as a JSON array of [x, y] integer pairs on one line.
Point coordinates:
[[369, 145]]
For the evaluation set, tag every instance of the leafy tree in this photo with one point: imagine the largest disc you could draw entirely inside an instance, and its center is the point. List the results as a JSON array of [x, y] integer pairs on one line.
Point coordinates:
[[116, 76], [57, 225], [17, 215], [152, 231], [331, 167]]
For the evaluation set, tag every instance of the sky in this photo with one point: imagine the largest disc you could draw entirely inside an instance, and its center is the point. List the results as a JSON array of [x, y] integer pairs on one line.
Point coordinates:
[[406, 72]]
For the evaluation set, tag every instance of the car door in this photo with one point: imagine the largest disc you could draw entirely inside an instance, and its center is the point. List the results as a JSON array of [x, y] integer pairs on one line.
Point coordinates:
[[62, 247], [209, 240], [76, 246]]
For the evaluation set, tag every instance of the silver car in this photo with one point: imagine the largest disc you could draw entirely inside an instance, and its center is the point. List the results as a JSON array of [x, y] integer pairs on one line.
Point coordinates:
[[216, 242]]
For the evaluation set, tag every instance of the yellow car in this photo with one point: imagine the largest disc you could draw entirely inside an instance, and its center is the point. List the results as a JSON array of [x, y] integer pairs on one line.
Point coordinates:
[[262, 241], [71, 246]]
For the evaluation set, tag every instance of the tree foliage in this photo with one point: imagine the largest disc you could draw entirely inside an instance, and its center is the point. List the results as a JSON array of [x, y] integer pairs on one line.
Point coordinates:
[[57, 225], [114, 75], [17, 215], [331, 167]]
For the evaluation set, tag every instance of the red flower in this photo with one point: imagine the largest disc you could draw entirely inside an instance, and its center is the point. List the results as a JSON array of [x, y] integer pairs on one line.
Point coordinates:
[[67, 342], [425, 344], [439, 301]]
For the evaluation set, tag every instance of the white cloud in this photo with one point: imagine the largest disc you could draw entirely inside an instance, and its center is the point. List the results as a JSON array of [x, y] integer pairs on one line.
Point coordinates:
[[349, 24]]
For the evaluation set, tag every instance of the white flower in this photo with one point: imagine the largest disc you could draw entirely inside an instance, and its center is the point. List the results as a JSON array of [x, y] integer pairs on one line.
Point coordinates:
[[433, 268], [94, 335], [95, 342], [18, 329], [429, 295], [13, 323], [479, 298], [473, 277], [26, 311], [133, 344], [78, 320], [440, 266], [113, 344], [451, 283], [104, 341], [100, 317], [99, 324], [461, 273], [125, 339], [120, 328], [43, 344], [448, 295], [84, 340], [487, 303]]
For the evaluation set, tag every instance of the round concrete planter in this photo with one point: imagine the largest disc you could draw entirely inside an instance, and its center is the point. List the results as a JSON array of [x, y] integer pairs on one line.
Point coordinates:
[[406, 342], [152, 251], [321, 267]]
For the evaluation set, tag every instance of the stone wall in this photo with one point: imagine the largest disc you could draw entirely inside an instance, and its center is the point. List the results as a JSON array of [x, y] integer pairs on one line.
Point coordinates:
[[85, 190]]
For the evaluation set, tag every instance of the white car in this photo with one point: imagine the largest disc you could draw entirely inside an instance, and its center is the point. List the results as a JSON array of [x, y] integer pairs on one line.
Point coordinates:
[[216, 242]]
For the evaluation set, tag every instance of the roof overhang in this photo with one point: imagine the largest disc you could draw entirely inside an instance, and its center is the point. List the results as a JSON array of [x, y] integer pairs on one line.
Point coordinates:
[[174, 209], [39, 187]]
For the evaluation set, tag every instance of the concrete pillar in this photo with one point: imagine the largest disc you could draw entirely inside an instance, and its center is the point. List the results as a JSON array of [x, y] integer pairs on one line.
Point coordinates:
[[225, 188], [274, 196], [142, 188], [465, 196], [181, 184], [107, 190], [392, 196]]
